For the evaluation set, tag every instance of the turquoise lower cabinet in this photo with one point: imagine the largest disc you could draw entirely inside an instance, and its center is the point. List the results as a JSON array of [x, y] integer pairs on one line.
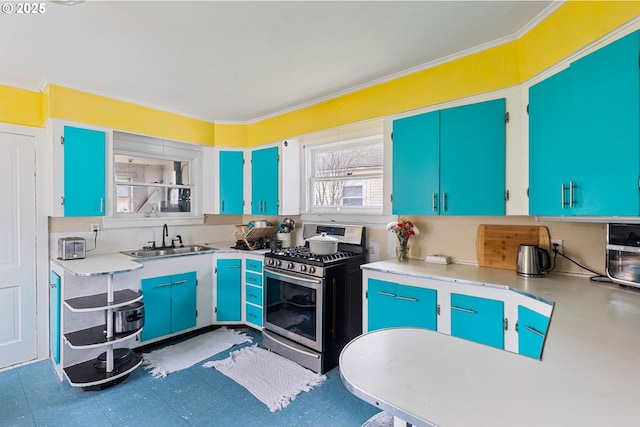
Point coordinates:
[[228, 290], [254, 314], [169, 303], [54, 316], [478, 319], [253, 292], [532, 330], [84, 172], [393, 305]]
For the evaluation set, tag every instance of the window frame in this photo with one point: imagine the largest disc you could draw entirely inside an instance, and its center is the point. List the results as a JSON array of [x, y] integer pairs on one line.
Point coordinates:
[[327, 144], [162, 149]]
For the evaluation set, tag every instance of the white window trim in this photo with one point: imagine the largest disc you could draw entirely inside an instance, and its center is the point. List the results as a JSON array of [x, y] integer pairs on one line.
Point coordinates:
[[353, 135], [140, 145]]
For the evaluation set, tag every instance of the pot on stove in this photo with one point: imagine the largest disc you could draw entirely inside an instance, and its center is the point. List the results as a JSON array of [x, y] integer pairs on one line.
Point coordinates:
[[323, 244]]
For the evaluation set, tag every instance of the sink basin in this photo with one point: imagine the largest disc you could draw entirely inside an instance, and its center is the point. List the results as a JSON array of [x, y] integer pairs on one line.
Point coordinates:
[[153, 253]]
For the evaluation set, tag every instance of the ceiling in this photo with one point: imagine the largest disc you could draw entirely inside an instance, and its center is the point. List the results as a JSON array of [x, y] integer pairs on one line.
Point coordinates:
[[240, 61]]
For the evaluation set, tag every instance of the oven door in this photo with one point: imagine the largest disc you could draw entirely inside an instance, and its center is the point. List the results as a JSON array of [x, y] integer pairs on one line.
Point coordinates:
[[294, 306]]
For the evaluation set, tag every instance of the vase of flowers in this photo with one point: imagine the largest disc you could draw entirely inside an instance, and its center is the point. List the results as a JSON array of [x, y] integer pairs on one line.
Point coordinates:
[[404, 230]]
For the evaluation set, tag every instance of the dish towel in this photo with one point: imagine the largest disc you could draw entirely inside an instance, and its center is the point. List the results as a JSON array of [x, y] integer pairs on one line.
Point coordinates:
[[271, 378], [180, 356]]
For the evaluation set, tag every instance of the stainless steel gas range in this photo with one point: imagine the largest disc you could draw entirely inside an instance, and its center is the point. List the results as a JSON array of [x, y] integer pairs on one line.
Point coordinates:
[[314, 302]]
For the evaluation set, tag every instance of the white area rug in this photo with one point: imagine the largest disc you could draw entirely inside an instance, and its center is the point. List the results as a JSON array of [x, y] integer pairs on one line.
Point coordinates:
[[180, 356], [274, 380]]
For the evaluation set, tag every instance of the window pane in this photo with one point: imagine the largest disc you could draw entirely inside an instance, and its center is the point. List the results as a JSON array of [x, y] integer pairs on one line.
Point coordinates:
[[351, 161], [334, 193], [141, 199], [151, 171]]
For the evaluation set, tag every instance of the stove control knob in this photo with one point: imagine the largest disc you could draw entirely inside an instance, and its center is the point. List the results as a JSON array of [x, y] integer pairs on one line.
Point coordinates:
[[312, 270], [270, 261], [303, 267], [278, 262], [290, 265]]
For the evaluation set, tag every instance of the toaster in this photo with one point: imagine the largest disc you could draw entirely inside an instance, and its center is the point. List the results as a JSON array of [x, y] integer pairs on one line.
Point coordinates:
[[71, 248]]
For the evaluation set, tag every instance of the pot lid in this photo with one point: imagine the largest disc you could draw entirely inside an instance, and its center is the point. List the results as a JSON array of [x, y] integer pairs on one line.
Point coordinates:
[[323, 237]]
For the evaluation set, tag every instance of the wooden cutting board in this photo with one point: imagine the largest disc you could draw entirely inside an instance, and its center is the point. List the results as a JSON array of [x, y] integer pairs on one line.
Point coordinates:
[[497, 245]]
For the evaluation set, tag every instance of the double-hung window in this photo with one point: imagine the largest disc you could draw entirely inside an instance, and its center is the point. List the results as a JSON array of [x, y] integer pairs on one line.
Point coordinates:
[[345, 172]]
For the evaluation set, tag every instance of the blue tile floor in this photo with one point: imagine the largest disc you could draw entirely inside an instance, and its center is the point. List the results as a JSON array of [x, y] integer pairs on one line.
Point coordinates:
[[32, 395]]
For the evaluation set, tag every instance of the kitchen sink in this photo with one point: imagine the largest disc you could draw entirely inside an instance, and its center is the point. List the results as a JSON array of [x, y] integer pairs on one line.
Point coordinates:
[[163, 252]]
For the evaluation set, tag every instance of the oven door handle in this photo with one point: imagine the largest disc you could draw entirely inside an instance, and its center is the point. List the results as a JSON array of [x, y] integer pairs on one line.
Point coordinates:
[[278, 274]]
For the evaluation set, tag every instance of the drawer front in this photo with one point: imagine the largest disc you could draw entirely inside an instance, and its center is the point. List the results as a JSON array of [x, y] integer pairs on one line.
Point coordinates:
[[478, 319], [254, 314], [253, 278], [253, 265], [253, 295]]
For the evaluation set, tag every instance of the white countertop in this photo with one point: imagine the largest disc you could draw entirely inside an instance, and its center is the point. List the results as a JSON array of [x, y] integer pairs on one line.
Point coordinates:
[[589, 373], [99, 264]]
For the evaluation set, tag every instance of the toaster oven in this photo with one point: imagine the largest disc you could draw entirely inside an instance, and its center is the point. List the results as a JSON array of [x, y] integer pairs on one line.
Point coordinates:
[[623, 253]]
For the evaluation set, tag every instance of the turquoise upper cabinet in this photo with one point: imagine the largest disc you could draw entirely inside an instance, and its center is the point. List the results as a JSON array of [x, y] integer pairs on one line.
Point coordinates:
[[84, 172], [584, 135], [264, 181], [472, 159], [416, 164], [606, 111], [549, 146], [478, 319], [231, 182], [451, 162]]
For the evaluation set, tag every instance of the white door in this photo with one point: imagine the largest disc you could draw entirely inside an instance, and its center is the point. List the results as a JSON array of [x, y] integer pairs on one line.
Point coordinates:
[[18, 334]]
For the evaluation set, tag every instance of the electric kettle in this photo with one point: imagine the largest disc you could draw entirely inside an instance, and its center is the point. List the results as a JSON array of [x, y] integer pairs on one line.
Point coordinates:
[[533, 261]]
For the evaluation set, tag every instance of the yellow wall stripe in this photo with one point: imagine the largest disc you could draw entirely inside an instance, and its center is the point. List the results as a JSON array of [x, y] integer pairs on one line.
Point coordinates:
[[20, 106]]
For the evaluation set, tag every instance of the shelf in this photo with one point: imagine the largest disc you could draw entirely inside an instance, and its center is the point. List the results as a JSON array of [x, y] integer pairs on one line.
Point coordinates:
[[95, 337], [85, 374], [99, 301]]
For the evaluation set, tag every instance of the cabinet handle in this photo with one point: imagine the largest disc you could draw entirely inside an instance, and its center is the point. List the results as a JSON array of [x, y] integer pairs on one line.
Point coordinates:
[[571, 186], [222, 206], [180, 282], [101, 204], [253, 315], [163, 285], [253, 295], [407, 298], [444, 201], [466, 310], [387, 294], [233, 266], [434, 202], [562, 196], [533, 330]]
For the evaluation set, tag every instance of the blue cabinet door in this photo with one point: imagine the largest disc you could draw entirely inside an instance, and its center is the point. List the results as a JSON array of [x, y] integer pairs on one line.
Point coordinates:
[[478, 319], [472, 159], [381, 305], [156, 295], [264, 181], [606, 118], [550, 148], [183, 301], [231, 182], [54, 316], [228, 290], [416, 164], [416, 307], [84, 172], [532, 330]]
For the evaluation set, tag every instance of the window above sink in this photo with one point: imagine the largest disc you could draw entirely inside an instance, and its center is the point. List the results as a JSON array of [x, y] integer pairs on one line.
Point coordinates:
[[154, 179]]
